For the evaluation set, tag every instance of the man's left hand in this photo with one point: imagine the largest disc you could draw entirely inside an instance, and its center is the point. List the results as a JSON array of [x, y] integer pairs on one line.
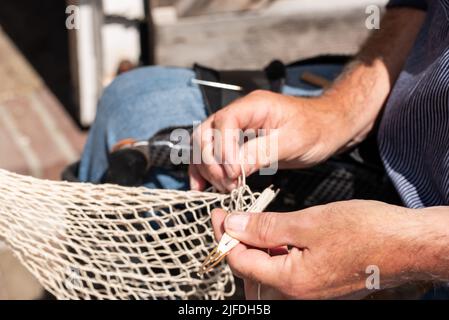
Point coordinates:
[[324, 251]]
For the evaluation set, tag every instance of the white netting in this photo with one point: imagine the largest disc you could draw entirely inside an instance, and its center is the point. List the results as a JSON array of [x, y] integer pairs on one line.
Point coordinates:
[[85, 241]]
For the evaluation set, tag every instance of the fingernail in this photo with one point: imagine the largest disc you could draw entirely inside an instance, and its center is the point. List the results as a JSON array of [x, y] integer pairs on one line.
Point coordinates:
[[236, 222]]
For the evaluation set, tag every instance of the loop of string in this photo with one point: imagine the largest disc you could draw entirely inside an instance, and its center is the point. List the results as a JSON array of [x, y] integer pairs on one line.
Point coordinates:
[[238, 194], [86, 241], [242, 189]]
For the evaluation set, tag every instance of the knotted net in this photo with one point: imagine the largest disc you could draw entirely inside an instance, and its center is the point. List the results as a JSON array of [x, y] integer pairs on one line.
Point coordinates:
[[86, 241]]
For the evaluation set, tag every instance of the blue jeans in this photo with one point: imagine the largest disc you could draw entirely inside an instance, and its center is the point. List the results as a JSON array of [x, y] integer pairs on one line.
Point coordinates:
[[140, 103]]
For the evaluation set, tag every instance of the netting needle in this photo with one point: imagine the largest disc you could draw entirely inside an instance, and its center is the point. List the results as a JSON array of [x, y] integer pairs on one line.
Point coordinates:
[[227, 243]]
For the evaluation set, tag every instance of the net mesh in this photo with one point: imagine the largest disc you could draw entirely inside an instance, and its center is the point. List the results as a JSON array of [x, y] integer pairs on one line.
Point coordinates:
[[86, 241]]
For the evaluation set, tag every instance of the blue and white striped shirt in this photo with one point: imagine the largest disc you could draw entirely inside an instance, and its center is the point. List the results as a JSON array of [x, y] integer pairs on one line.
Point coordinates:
[[414, 131]]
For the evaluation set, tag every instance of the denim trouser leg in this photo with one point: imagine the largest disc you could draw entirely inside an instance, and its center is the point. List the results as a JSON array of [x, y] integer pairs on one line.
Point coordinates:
[[137, 105], [141, 102]]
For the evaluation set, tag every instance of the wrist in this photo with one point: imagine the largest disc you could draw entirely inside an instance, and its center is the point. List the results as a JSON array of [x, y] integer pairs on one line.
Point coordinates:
[[417, 246], [358, 95], [429, 244], [338, 123], [392, 235]]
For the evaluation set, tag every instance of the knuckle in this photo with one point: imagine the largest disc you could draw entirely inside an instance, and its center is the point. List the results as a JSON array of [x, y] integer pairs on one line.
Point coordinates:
[[214, 173], [219, 117], [265, 224], [260, 94]]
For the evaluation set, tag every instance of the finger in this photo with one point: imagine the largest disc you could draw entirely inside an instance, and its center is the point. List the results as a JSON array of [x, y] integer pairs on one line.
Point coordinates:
[[245, 113], [263, 230], [197, 140], [218, 216], [203, 155], [215, 175], [261, 152], [197, 182], [228, 126], [258, 266]]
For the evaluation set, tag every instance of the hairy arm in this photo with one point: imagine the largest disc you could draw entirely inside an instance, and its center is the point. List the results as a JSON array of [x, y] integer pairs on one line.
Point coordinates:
[[308, 131], [430, 245], [366, 83]]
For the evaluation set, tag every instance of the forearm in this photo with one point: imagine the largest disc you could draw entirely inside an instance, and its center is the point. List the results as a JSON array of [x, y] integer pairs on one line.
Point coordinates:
[[362, 90]]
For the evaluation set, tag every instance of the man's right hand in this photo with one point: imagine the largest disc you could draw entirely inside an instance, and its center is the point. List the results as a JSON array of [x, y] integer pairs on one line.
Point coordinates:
[[308, 132], [311, 130]]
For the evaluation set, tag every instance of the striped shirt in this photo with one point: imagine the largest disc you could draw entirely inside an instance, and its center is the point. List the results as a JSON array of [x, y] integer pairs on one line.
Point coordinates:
[[414, 131]]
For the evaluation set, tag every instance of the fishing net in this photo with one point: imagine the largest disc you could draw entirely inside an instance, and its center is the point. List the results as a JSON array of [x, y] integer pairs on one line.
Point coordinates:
[[86, 241]]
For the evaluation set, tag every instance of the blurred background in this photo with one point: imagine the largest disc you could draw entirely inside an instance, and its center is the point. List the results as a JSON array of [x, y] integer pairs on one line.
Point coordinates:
[[57, 56]]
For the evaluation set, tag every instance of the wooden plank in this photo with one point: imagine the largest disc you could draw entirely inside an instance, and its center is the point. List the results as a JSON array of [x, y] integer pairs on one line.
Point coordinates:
[[203, 7]]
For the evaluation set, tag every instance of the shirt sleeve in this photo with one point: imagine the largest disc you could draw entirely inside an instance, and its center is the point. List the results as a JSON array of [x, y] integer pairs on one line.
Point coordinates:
[[418, 4]]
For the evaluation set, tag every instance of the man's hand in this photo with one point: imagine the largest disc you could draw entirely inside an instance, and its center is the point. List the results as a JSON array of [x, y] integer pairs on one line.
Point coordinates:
[[308, 131], [331, 246]]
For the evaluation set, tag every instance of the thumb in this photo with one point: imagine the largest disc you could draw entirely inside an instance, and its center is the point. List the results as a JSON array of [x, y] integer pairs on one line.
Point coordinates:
[[262, 230]]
